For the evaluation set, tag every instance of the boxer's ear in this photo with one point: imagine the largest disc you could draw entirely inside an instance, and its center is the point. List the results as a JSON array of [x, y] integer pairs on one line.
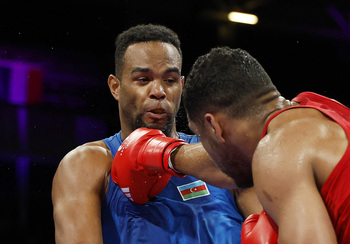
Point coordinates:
[[114, 86], [214, 126]]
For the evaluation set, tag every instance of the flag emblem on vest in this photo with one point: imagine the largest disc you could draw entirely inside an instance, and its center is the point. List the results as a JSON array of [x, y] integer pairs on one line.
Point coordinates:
[[193, 190]]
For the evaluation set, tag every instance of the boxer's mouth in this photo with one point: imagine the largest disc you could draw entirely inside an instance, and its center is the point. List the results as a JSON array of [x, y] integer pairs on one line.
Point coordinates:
[[157, 111], [157, 114]]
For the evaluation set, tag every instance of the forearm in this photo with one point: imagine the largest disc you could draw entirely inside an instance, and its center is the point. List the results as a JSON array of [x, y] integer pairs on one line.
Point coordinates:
[[247, 202], [192, 159]]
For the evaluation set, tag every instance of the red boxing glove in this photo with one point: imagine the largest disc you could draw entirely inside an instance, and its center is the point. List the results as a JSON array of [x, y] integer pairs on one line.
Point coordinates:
[[259, 229], [140, 167]]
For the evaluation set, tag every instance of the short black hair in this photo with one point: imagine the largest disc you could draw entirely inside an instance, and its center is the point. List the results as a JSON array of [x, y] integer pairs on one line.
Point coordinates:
[[142, 33], [225, 79]]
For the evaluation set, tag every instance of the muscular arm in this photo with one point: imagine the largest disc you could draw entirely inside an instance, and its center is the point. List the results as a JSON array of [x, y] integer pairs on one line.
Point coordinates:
[[77, 190], [247, 202], [285, 166], [192, 159]]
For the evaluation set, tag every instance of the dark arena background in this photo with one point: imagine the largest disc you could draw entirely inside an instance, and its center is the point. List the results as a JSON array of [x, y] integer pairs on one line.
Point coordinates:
[[55, 57]]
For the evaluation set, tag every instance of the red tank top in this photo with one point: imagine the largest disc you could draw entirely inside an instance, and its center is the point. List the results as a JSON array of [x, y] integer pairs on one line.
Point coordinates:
[[336, 190]]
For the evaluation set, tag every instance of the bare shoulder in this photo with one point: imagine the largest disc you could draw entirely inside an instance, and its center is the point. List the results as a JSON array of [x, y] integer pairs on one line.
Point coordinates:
[[78, 189], [299, 148], [303, 133], [86, 166]]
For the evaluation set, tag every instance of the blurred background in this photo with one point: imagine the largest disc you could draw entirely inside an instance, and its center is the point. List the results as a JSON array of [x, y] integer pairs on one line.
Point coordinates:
[[55, 57]]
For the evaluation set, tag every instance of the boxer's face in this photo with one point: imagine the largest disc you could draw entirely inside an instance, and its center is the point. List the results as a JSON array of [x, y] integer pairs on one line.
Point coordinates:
[[150, 87], [227, 153]]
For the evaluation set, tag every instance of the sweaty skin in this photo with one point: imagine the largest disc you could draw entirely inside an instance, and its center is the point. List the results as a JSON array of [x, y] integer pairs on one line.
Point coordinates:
[[289, 165], [302, 147]]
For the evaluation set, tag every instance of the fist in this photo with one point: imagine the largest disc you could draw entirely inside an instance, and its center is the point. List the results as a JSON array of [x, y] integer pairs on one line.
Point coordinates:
[[140, 167]]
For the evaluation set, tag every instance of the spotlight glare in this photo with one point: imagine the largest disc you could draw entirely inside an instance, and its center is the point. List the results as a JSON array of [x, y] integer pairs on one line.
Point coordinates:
[[243, 18]]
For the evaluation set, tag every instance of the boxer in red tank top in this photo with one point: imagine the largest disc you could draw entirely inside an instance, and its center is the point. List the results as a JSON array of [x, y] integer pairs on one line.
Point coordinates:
[[299, 168], [335, 191]]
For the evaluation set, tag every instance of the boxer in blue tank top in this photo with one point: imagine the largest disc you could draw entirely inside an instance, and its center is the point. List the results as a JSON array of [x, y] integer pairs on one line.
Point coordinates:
[[171, 217], [90, 208]]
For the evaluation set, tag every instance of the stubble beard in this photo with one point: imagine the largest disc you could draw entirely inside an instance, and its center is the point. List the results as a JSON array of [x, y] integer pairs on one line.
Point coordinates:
[[138, 122], [166, 129], [235, 166], [242, 175]]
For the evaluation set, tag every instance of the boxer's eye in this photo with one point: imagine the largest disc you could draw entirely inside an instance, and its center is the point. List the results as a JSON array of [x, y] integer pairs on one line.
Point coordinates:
[[170, 80], [143, 79]]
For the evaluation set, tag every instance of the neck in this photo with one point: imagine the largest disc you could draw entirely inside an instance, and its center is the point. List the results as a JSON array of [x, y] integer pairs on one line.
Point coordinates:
[[174, 133], [125, 132], [275, 105]]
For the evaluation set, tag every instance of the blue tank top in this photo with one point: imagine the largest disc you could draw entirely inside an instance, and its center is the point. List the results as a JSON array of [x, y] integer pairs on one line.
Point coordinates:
[[186, 211]]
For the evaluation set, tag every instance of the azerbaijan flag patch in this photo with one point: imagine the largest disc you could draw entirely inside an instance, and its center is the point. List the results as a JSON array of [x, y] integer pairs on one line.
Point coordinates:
[[193, 190]]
